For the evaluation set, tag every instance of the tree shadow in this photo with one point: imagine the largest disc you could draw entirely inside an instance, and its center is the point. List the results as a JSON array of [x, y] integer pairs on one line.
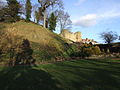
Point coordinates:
[[92, 77], [26, 78], [98, 80]]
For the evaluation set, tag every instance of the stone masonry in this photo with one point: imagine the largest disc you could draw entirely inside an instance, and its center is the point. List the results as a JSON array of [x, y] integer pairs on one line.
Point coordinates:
[[76, 37]]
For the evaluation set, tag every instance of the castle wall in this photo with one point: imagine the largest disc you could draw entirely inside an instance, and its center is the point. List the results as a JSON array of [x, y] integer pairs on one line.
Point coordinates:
[[76, 37]]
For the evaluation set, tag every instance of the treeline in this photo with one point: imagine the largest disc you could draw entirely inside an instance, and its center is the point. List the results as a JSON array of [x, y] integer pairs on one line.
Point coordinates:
[[110, 47], [49, 13]]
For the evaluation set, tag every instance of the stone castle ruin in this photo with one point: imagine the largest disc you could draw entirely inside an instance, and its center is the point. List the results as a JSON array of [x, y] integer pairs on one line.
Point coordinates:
[[76, 37]]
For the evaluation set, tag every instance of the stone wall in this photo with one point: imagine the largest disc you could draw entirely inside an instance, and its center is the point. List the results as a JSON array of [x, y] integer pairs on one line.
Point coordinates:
[[76, 37]]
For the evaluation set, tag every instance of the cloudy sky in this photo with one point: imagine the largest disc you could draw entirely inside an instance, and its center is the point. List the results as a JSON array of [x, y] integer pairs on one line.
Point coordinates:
[[92, 17]]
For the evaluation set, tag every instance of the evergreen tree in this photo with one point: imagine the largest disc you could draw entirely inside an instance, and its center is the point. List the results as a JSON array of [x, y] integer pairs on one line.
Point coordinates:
[[28, 8], [37, 16], [52, 22], [12, 11]]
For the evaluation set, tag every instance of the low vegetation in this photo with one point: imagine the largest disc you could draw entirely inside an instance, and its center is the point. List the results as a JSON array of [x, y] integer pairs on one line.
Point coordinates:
[[86, 50]]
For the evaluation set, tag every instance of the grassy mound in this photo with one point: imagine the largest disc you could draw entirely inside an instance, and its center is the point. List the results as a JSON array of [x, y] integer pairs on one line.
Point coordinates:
[[45, 44]]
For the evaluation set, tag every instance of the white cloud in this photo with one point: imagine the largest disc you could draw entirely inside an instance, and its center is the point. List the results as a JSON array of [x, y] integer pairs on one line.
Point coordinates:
[[79, 2], [93, 19], [87, 20]]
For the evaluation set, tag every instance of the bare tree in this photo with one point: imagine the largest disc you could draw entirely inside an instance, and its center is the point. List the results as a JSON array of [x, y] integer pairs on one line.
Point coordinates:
[[22, 9], [109, 37], [45, 4], [64, 20]]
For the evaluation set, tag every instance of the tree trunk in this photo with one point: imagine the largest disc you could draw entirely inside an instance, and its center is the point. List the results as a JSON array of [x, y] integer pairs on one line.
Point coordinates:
[[61, 29], [44, 19]]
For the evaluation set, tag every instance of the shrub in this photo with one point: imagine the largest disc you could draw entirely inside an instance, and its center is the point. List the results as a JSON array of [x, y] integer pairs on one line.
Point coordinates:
[[24, 55], [96, 50], [86, 50]]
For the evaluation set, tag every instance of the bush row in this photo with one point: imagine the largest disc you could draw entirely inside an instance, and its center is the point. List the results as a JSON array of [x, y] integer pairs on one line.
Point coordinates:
[[86, 50]]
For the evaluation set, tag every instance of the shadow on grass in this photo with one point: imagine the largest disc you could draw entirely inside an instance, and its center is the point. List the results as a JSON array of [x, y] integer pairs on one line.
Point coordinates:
[[26, 78], [88, 76]]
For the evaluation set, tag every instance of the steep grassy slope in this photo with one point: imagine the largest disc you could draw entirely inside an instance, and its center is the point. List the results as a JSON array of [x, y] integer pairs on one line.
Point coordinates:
[[45, 44]]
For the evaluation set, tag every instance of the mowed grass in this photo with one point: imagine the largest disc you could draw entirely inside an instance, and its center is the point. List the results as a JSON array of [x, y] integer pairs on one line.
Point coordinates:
[[68, 75]]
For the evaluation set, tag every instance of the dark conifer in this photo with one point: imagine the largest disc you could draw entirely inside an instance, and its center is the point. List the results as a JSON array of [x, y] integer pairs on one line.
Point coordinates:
[[28, 8], [52, 22]]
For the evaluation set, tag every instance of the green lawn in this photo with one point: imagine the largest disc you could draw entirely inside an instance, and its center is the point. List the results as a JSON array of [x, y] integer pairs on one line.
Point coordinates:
[[68, 75]]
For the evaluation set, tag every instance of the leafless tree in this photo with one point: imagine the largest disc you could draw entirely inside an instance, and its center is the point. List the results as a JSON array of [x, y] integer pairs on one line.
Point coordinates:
[[109, 37], [45, 4], [64, 20], [22, 9]]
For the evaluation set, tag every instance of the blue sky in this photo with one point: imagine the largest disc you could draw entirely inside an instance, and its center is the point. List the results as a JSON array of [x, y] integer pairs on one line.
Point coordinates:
[[91, 17]]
